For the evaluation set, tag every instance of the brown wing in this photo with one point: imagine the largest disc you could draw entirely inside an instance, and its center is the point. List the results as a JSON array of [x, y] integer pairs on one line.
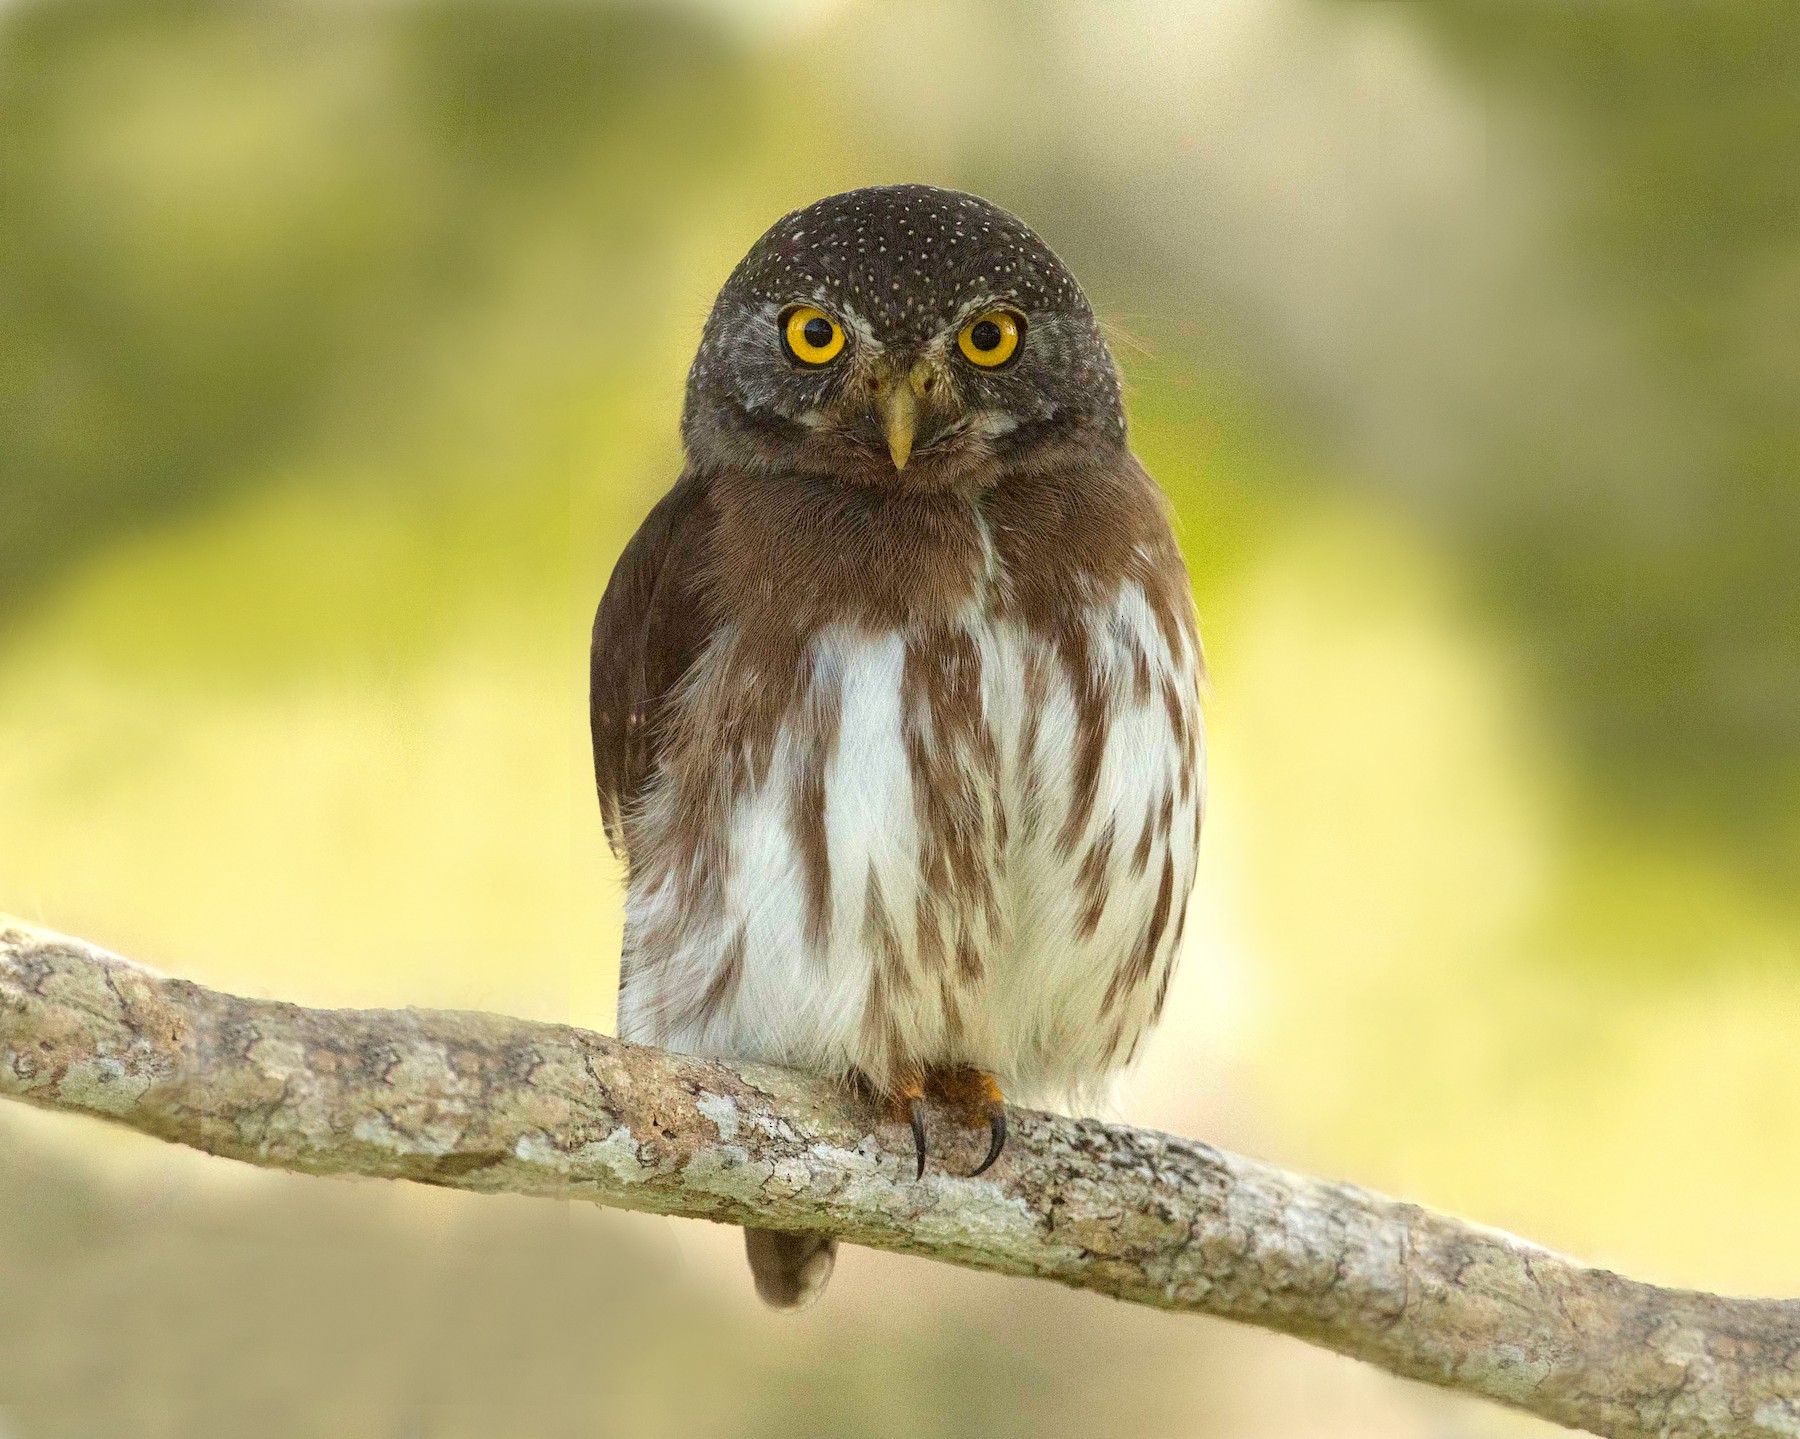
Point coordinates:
[[652, 622]]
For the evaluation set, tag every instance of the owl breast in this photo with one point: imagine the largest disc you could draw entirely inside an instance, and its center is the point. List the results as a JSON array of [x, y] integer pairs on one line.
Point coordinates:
[[969, 841]]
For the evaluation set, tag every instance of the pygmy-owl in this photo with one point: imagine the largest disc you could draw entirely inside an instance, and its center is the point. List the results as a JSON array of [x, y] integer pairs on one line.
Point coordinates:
[[895, 693]]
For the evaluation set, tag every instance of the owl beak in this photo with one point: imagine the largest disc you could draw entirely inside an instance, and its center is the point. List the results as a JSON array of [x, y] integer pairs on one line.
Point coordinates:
[[898, 405], [899, 421]]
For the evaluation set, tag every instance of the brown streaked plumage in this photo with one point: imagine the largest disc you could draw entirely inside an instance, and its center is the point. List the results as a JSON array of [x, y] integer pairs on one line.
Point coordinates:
[[894, 694]]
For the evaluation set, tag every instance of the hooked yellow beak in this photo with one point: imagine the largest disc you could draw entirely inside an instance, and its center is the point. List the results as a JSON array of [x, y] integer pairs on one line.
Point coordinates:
[[898, 405]]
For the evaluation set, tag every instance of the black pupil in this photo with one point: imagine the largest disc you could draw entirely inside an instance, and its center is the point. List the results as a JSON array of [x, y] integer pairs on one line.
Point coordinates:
[[985, 335], [817, 332]]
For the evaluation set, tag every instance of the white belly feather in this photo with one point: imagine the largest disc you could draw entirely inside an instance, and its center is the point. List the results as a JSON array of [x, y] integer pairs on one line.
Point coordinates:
[[1052, 996]]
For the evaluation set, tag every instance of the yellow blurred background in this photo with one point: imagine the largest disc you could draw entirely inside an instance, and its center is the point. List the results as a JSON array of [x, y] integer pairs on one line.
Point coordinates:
[[341, 349]]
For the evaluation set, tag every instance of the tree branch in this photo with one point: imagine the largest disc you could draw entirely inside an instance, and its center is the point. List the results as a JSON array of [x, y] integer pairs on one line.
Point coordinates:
[[487, 1103]]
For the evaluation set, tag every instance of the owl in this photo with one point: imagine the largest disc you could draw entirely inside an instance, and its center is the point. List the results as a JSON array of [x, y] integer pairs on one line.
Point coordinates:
[[895, 694]]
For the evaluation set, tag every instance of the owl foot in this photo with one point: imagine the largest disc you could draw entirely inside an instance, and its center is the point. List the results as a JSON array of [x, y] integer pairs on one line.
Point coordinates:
[[972, 1095], [975, 1096]]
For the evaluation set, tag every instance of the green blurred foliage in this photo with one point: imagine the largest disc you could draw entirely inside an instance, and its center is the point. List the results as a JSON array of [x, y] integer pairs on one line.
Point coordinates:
[[1665, 595], [228, 230]]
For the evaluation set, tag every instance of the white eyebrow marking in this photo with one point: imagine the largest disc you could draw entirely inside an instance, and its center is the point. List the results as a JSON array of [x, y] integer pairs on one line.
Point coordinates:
[[859, 327]]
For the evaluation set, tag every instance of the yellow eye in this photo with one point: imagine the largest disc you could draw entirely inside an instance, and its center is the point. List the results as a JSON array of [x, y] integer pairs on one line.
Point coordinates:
[[990, 339], [813, 337]]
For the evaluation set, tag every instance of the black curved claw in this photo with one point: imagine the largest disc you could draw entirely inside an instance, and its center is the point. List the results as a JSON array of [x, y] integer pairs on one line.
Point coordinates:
[[918, 1129], [997, 1128]]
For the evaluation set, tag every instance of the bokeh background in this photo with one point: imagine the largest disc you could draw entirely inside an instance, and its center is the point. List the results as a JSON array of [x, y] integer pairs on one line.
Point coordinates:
[[341, 348]]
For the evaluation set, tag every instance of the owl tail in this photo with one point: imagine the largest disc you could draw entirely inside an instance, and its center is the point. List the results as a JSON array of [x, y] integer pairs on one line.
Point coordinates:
[[791, 1270]]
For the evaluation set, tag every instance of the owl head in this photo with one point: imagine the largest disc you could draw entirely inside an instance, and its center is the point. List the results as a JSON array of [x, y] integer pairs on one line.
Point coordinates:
[[903, 336]]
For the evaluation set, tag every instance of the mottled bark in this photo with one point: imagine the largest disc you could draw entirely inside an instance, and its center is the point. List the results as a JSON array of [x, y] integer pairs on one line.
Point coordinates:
[[482, 1102]]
